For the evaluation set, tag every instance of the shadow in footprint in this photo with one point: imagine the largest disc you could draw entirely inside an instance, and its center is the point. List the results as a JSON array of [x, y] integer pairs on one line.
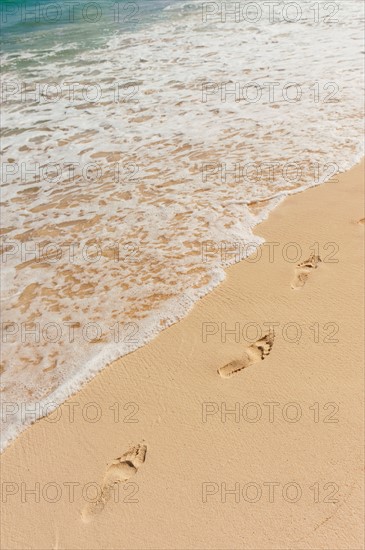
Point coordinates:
[[303, 270], [119, 471], [253, 354]]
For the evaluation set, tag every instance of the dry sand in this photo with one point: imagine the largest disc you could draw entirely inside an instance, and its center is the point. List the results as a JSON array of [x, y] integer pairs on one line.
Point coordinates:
[[298, 478]]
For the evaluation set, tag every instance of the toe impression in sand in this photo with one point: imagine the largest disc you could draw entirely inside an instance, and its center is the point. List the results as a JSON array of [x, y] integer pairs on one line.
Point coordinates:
[[303, 270], [119, 471], [253, 354]]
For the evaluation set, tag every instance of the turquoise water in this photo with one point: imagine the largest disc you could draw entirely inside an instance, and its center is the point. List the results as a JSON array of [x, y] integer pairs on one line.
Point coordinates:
[[64, 29]]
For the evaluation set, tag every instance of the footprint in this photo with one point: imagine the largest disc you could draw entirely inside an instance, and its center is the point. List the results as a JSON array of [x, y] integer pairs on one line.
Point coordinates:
[[253, 354], [303, 270], [119, 471]]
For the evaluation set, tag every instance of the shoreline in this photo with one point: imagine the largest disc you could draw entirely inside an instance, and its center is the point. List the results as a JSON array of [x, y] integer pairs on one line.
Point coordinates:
[[176, 375], [185, 302]]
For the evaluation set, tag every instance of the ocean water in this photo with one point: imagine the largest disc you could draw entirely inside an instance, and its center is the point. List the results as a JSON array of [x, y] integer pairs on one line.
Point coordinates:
[[142, 143]]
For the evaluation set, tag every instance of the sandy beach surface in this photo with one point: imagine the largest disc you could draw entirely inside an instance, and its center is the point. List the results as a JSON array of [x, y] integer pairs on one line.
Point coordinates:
[[159, 451]]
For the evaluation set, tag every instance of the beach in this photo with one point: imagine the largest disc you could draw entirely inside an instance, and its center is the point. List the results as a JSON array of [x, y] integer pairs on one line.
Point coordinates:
[[268, 458], [182, 269]]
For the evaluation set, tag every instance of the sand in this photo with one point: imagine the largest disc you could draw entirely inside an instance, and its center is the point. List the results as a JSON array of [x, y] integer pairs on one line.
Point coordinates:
[[283, 471]]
